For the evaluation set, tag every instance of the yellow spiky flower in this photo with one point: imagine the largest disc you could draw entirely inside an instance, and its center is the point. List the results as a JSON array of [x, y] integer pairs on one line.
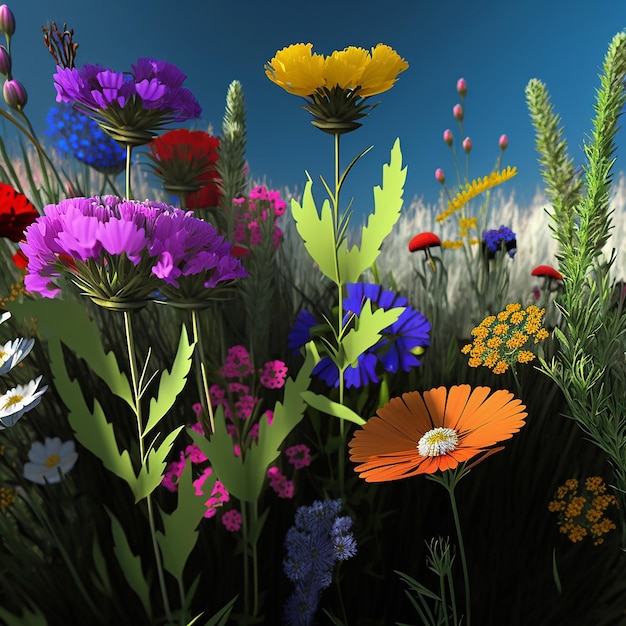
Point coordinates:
[[474, 189]]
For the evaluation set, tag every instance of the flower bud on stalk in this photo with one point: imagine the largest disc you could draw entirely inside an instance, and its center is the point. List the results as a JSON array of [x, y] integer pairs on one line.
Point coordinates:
[[440, 176], [457, 111], [15, 94], [467, 145], [7, 21], [503, 142], [5, 61], [461, 87], [447, 136]]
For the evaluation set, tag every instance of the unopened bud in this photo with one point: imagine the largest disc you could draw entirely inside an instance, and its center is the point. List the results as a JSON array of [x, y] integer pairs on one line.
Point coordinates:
[[457, 111], [15, 94], [467, 145], [503, 142], [5, 61], [461, 87], [7, 20], [440, 176], [447, 136]]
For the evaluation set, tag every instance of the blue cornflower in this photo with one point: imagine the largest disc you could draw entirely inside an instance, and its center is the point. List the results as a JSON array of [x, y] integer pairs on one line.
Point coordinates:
[[319, 539], [398, 348], [77, 134], [494, 240]]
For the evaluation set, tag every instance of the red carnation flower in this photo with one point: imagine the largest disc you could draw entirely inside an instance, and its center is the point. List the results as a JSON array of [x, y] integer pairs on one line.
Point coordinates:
[[16, 213]]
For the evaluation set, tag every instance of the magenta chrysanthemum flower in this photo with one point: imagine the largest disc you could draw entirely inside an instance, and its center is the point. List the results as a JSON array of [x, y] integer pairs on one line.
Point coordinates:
[[129, 106]]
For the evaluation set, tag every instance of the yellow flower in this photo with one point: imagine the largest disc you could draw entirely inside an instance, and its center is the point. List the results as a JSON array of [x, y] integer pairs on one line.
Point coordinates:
[[382, 71], [474, 189], [452, 244], [344, 68], [297, 70]]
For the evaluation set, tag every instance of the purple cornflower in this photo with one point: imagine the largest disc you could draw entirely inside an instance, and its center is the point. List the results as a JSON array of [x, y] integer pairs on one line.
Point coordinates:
[[502, 238], [129, 107], [319, 539]]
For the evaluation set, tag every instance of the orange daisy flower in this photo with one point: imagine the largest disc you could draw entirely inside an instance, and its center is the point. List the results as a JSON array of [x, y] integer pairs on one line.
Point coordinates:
[[420, 435]]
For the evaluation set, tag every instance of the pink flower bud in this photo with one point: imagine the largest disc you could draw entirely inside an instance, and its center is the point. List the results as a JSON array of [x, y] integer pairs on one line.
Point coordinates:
[[7, 21], [461, 87], [447, 136], [15, 94], [503, 142], [457, 111], [440, 176], [467, 145], [5, 61]]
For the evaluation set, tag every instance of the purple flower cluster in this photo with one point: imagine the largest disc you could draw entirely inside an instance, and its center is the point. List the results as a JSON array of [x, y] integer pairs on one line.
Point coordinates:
[[142, 101], [319, 539], [494, 240], [397, 349], [123, 249]]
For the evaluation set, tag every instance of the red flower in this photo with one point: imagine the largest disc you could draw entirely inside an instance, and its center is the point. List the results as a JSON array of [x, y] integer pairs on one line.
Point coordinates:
[[546, 271], [186, 159], [16, 213], [424, 241], [20, 260]]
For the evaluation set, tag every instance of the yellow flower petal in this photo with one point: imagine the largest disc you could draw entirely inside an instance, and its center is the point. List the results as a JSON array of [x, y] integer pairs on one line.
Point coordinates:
[[345, 67], [297, 70], [382, 71]]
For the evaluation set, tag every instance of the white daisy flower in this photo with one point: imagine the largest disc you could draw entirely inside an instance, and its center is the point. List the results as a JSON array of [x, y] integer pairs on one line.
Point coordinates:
[[50, 460], [19, 400], [4, 317], [12, 352]]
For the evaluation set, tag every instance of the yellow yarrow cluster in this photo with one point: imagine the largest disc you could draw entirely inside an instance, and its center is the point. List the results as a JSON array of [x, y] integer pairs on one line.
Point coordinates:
[[582, 511], [17, 290], [301, 72], [500, 341], [7, 496], [474, 189]]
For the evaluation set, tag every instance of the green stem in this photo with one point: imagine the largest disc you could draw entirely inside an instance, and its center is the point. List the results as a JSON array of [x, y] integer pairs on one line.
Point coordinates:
[[255, 560], [129, 150], [197, 337], [130, 344], [244, 531]]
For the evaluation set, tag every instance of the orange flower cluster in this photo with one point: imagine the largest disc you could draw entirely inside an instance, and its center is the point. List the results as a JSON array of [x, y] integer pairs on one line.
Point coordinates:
[[7, 496], [582, 513], [500, 341]]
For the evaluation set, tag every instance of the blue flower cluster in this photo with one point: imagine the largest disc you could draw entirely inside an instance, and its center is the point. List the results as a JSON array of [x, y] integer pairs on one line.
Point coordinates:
[[319, 539], [75, 133], [493, 240], [397, 349]]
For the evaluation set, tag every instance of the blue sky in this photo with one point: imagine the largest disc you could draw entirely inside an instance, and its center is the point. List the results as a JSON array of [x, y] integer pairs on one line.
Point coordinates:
[[496, 46]]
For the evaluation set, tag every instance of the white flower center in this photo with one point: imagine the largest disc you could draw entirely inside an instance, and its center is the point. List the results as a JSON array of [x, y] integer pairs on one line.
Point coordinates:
[[438, 441]]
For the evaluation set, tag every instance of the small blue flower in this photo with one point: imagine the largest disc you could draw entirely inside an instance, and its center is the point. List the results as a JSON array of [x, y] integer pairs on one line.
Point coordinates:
[[494, 240]]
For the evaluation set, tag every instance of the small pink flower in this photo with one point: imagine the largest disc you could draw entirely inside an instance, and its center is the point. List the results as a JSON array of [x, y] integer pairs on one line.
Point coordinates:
[[299, 456], [172, 475], [461, 87], [197, 409], [503, 142], [440, 176], [199, 482], [467, 145], [198, 428], [239, 201], [457, 111], [270, 416], [232, 520], [258, 193], [273, 374], [194, 453], [237, 363], [238, 388], [286, 490], [447, 136], [244, 406]]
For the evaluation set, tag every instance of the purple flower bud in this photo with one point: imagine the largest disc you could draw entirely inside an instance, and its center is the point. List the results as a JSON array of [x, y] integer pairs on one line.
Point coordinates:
[[447, 136], [467, 145], [461, 87], [5, 61], [7, 21], [15, 94], [440, 176], [457, 111], [503, 142]]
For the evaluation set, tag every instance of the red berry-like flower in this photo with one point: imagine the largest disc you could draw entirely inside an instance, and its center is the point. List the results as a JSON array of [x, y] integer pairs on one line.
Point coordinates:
[[424, 241], [546, 271], [16, 213]]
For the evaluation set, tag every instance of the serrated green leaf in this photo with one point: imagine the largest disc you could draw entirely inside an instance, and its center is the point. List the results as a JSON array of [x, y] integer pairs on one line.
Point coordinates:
[[326, 405], [317, 231], [130, 564], [171, 383], [220, 618], [151, 472], [367, 332], [387, 206], [180, 533]]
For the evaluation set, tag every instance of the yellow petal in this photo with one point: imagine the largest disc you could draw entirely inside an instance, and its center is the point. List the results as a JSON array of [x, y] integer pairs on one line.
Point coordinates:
[[297, 70], [382, 71], [345, 67]]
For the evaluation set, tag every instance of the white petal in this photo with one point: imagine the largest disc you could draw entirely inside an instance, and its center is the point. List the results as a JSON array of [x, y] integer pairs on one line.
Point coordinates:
[[38, 453]]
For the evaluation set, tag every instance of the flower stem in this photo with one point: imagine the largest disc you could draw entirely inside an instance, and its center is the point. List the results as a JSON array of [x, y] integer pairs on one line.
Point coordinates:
[[202, 366], [130, 344], [129, 150]]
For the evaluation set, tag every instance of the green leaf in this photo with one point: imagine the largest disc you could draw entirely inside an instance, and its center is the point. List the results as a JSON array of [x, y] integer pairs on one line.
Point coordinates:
[[130, 564], [367, 331], [221, 617], [28, 618], [317, 231], [171, 383], [326, 405], [387, 207], [180, 533], [244, 479], [151, 471]]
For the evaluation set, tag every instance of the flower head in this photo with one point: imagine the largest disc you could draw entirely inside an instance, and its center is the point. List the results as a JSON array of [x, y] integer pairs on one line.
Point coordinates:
[[336, 86], [129, 107], [7, 21], [14, 352], [547, 271], [448, 137], [467, 144], [461, 87], [50, 460], [16, 213], [15, 94], [19, 400], [501, 239], [440, 176], [422, 434], [503, 142]]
